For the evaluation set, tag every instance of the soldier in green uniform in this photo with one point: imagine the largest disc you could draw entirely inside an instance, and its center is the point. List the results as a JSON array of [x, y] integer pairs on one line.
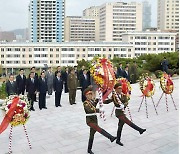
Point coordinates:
[[120, 112], [91, 118], [72, 86]]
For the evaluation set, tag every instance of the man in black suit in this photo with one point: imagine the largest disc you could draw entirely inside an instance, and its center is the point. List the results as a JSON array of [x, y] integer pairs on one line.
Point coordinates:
[[126, 73], [11, 86], [21, 82], [33, 69], [58, 70], [42, 89], [58, 87], [65, 76], [31, 88], [120, 71], [84, 83]]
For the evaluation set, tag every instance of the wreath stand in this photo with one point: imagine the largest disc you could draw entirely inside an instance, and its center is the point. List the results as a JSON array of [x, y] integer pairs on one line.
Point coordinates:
[[10, 138], [167, 101], [144, 100]]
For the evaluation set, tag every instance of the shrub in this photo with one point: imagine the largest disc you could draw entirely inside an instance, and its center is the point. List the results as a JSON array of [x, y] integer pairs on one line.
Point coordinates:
[[3, 93], [158, 73]]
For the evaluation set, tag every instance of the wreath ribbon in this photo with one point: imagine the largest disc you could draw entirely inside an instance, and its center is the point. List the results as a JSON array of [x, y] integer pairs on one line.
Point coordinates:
[[8, 117]]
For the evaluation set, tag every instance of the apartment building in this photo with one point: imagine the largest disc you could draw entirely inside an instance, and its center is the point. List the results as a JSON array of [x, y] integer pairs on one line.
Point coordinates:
[[46, 20], [81, 28], [168, 14], [150, 42], [119, 17]]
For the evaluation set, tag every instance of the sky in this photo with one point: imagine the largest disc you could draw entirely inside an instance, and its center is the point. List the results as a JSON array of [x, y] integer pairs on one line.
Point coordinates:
[[14, 13]]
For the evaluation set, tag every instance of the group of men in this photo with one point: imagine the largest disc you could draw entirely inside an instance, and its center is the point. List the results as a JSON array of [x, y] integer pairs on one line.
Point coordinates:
[[130, 73], [47, 82]]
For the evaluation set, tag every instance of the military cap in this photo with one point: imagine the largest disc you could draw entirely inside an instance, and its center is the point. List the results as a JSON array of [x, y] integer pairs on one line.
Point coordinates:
[[87, 90], [117, 85]]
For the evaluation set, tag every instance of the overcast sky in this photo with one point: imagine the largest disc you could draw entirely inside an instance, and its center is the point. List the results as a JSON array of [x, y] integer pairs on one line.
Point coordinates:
[[14, 13]]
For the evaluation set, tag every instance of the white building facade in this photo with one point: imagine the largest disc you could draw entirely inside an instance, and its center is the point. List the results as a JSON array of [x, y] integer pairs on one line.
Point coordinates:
[[81, 28], [54, 54], [93, 11], [150, 42], [117, 18], [168, 14]]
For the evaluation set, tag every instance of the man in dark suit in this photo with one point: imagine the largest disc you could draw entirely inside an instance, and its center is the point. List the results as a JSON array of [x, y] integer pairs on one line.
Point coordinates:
[[58, 87], [84, 83], [164, 65], [65, 76], [58, 70], [126, 73], [120, 71], [42, 89], [21, 82], [33, 69], [31, 88], [11, 86]]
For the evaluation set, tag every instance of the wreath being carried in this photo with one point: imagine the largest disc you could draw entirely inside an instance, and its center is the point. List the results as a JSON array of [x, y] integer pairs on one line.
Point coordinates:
[[126, 87]]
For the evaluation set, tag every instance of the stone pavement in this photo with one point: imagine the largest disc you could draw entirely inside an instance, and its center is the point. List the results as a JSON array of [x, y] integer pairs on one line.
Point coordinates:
[[64, 131]]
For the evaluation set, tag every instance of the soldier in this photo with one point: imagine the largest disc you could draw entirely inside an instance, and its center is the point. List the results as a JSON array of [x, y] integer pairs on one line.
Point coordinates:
[[72, 86], [91, 118], [120, 112]]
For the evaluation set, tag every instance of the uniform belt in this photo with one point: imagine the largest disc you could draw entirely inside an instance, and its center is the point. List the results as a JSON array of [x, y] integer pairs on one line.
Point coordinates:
[[119, 108], [91, 114]]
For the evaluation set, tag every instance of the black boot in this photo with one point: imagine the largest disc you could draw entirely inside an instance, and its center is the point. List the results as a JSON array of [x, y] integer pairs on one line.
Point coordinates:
[[119, 135], [109, 136], [90, 146], [137, 128]]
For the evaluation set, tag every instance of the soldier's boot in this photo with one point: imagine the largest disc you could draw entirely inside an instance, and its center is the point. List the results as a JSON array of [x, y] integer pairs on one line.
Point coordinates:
[[141, 131], [119, 136], [109, 136], [127, 121], [90, 146]]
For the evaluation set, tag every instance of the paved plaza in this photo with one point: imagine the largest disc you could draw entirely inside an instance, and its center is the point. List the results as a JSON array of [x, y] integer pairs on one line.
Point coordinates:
[[63, 130]]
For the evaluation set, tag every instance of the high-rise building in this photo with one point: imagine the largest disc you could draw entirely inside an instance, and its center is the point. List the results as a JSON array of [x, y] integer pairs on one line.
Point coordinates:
[[146, 15], [93, 11], [46, 20], [168, 15], [119, 17], [81, 28]]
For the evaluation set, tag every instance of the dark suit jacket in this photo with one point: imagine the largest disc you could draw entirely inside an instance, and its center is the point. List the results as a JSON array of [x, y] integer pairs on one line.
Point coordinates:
[[11, 89], [42, 86], [21, 83], [119, 72], [84, 83], [30, 86], [127, 76], [58, 85], [65, 76], [35, 76]]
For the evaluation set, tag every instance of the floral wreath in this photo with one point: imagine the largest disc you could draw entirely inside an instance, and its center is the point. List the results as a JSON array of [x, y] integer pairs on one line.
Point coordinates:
[[126, 87], [166, 83], [103, 75], [21, 109], [147, 85]]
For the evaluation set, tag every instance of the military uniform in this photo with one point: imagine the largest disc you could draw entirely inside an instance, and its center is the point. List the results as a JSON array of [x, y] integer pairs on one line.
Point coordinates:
[[72, 86], [122, 117], [92, 122]]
